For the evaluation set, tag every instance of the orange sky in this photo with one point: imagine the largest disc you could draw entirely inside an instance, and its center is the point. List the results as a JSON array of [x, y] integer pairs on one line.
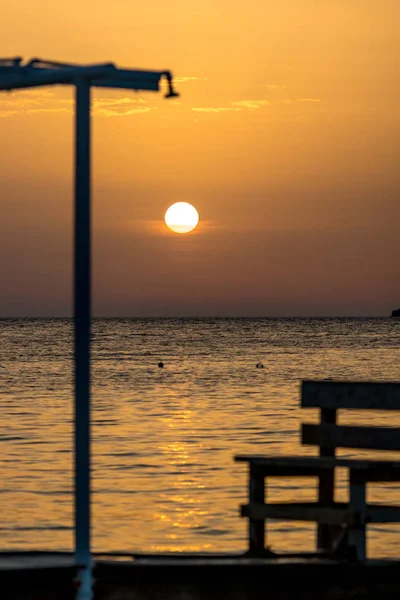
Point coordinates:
[[285, 138]]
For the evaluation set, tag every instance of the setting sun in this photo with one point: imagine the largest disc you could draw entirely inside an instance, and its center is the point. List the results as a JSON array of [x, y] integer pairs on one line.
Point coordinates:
[[181, 217]]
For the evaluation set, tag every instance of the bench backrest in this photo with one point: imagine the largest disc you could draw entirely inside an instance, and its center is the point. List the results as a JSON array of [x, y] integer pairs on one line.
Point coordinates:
[[330, 396]]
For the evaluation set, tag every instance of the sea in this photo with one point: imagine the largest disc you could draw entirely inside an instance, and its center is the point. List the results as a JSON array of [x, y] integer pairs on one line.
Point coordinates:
[[164, 439]]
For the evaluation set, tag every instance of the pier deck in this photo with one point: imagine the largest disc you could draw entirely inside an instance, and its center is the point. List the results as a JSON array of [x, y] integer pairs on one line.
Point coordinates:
[[37, 575], [29, 576]]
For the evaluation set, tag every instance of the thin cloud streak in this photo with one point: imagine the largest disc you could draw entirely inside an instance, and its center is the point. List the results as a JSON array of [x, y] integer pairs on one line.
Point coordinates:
[[185, 79], [274, 86], [4, 114], [251, 104], [36, 103], [123, 112], [235, 106], [211, 109], [118, 101], [33, 111]]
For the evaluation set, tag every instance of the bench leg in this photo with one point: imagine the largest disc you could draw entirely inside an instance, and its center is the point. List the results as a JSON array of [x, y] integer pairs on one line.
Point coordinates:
[[256, 494], [357, 533], [326, 533]]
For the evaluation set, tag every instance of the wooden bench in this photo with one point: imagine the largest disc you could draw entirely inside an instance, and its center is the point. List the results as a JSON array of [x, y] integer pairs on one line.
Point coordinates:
[[337, 522]]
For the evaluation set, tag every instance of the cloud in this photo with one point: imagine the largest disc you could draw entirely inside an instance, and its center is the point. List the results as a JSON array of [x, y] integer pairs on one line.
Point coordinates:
[[274, 86], [120, 111], [117, 101], [33, 111], [31, 103], [35, 92], [185, 79], [251, 104], [116, 107], [302, 100], [7, 113], [234, 106], [120, 107], [23, 102], [211, 109]]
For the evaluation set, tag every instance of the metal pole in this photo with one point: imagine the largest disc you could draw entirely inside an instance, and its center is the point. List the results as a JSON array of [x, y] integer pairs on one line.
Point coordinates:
[[82, 319]]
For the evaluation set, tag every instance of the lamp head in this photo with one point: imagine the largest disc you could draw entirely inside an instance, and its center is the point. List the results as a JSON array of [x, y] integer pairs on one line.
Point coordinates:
[[171, 92]]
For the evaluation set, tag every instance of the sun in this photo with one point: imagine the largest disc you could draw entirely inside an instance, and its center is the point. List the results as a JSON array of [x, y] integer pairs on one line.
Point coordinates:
[[181, 217]]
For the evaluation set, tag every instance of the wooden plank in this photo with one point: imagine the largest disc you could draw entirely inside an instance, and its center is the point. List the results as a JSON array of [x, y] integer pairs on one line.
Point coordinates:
[[288, 466], [381, 474], [380, 513], [299, 511], [338, 514], [311, 463], [352, 395], [317, 462], [291, 470], [332, 436], [373, 470]]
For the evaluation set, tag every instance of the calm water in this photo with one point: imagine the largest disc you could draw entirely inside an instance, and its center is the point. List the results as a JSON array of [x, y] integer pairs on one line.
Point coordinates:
[[164, 439]]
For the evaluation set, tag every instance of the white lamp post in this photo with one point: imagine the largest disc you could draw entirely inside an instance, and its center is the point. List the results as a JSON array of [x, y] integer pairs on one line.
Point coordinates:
[[36, 73]]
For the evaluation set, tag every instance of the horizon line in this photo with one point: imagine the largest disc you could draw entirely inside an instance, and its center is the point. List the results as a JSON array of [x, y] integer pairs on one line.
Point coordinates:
[[70, 317]]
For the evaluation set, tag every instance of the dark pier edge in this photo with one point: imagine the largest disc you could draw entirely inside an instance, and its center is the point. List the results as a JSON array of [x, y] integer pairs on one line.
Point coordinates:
[[48, 576], [245, 579]]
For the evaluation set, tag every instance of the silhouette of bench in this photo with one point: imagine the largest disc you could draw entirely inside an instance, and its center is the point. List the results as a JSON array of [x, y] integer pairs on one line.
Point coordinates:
[[341, 526]]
